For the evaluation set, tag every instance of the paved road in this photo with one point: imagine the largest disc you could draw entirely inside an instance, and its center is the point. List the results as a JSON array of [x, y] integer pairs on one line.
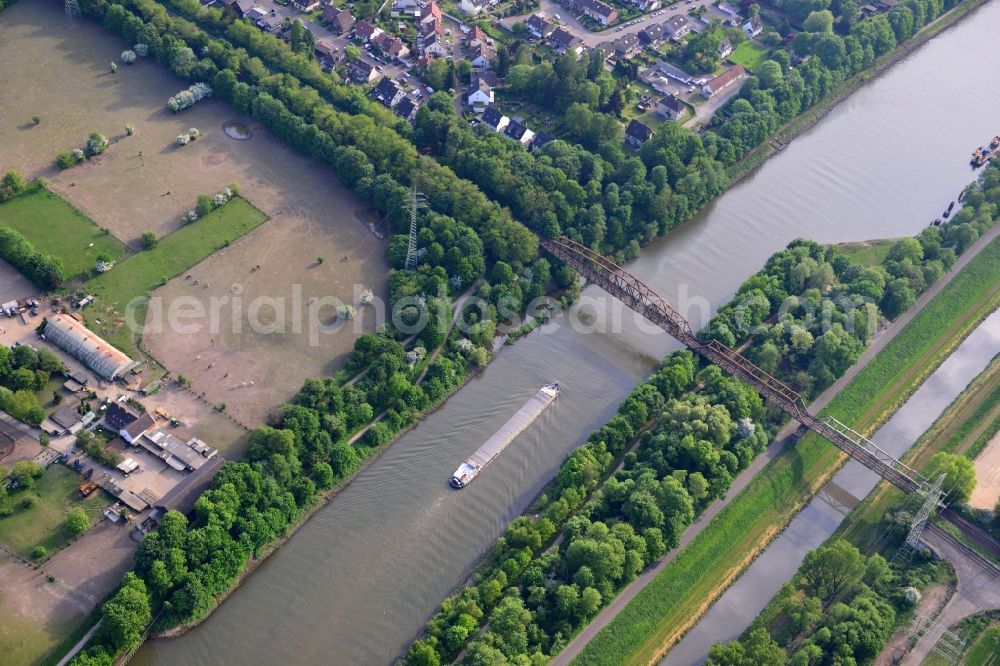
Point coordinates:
[[878, 344], [975, 591], [569, 21]]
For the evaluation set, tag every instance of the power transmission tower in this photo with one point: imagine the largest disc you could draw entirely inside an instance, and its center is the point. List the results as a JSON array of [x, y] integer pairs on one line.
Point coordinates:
[[947, 643], [417, 200], [932, 498], [72, 9]]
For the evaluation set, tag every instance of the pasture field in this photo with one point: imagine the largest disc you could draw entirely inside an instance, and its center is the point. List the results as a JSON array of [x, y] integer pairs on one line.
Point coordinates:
[[55, 228], [658, 616], [44, 523], [144, 271], [867, 253], [59, 70]]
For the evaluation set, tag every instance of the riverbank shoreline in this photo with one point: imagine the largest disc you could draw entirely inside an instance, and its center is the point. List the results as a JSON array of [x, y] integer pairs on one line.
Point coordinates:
[[322, 502], [844, 90]]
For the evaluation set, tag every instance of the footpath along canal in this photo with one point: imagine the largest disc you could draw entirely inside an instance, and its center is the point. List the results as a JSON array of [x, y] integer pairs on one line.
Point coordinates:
[[358, 581]]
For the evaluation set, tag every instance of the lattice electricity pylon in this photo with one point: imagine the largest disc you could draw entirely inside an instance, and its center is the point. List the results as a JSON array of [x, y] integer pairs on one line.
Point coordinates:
[[946, 643], [932, 498], [417, 200], [72, 8]]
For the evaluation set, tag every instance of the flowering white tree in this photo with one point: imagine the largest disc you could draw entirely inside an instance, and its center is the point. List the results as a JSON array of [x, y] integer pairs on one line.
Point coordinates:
[[346, 312], [78, 154], [141, 49], [414, 356], [186, 98], [128, 57], [183, 139], [194, 133], [189, 216], [367, 297], [465, 345], [97, 143]]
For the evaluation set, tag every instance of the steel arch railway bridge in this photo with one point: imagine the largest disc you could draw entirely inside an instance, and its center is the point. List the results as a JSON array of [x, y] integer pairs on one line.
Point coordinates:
[[634, 293]]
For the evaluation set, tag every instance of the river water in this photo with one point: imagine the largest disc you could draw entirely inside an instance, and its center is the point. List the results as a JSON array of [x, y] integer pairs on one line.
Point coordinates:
[[359, 580], [742, 602]]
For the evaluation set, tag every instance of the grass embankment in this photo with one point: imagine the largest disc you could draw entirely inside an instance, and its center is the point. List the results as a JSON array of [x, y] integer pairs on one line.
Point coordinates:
[[57, 229], [673, 602], [964, 428], [142, 272], [986, 652], [44, 524]]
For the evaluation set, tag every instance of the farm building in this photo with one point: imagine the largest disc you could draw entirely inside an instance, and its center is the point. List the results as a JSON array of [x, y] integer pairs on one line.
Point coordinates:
[[77, 340]]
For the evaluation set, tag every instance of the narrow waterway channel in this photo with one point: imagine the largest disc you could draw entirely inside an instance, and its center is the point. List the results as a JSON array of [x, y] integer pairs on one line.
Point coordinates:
[[742, 602], [359, 580]]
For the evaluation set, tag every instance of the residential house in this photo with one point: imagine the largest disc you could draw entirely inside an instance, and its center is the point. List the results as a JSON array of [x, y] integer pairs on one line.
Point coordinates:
[[495, 120], [637, 133], [480, 96], [475, 76], [646, 5], [243, 8], [727, 19], [405, 8], [305, 5], [725, 48], [407, 109], [325, 50], [271, 23], [365, 31], [562, 40], [434, 45], [390, 45], [255, 14], [430, 13], [128, 422], [598, 11], [519, 133], [670, 107], [362, 72], [651, 34], [886, 5], [676, 27], [481, 56], [388, 92], [435, 27], [753, 27], [473, 7], [540, 140], [538, 27], [626, 45], [340, 20], [723, 81]]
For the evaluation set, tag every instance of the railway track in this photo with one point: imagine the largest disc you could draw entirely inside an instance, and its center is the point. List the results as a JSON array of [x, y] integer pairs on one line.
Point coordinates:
[[988, 565], [973, 531]]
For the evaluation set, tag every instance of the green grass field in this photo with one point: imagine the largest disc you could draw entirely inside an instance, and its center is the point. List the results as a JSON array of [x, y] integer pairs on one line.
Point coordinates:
[[140, 273], [986, 652], [55, 228], [44, 523], [867, 253], [749, 55], [684, 590]]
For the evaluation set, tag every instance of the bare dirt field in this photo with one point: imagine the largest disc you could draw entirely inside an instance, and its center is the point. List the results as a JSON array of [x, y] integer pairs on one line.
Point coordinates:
[[145, 182], [987, 466], [38, 614], [13, 285]]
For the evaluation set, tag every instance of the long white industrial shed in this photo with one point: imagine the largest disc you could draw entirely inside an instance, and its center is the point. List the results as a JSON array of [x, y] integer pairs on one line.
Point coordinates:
[[86, 346]]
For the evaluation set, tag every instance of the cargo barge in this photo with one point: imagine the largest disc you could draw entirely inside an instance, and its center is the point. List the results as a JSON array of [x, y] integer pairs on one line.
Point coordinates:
[[495, 445]]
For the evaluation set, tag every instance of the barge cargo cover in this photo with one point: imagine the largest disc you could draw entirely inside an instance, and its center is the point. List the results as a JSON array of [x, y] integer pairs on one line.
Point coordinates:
[[521, 419]]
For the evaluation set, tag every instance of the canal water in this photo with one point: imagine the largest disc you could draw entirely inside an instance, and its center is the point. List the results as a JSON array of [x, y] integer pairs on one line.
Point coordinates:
[[742, 602], [358, 581]]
